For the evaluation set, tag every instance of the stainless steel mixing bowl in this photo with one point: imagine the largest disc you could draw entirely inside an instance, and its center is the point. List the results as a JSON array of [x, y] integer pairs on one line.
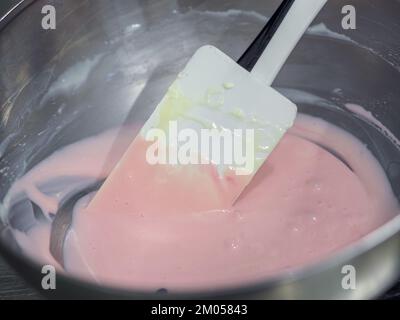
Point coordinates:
[[136, 47]]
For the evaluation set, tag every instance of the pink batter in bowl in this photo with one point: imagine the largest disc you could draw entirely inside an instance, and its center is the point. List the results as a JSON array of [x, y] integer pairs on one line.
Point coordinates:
[[325, 201]]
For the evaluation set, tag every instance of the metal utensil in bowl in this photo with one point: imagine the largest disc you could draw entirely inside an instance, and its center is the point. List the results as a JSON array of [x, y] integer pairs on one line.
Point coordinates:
[[130, 47]]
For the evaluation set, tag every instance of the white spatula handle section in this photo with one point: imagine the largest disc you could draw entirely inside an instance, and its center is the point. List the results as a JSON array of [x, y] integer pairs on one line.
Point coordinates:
[[291, 29]]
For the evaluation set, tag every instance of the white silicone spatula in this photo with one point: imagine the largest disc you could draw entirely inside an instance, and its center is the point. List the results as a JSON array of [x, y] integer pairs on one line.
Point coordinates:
[[215, 92]]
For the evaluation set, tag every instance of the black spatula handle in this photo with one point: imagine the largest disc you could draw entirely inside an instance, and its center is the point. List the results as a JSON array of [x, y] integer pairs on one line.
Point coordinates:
[[249, 59]]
